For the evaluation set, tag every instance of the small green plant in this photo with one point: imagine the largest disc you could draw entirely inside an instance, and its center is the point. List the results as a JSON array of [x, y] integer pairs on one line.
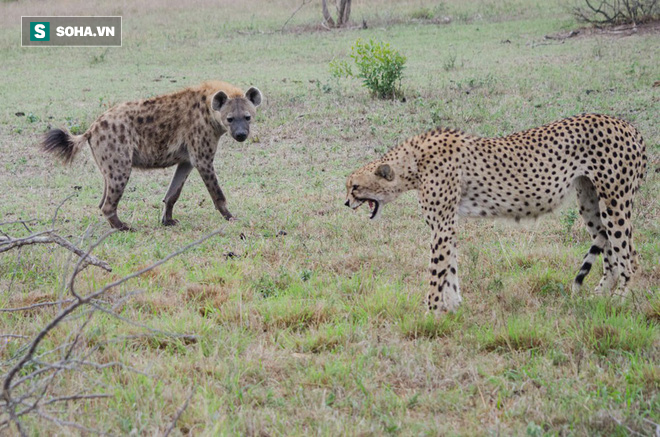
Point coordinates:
[[75, 126], [422, 14], [31, 118], [534, 430], [99, 59], [379, 66], [449, 62], [567, 219]]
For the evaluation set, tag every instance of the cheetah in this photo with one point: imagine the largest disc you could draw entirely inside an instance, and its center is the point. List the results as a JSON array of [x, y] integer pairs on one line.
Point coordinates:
[[523, 175], [182, 129]]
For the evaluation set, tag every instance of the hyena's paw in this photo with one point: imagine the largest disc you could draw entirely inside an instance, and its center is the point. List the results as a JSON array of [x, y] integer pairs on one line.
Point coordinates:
[[170, 222], [118, 224]]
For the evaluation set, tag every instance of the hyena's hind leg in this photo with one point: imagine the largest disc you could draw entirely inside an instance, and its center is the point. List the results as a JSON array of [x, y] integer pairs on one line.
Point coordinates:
[[115, 183], [174, 191], [587, 197], [105, 193]]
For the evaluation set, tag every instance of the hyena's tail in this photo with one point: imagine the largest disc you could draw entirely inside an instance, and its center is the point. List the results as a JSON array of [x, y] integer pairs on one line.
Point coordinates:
[[62, 144]]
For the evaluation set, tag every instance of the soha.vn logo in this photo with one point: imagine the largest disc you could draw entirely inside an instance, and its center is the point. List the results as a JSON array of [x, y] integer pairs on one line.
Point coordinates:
[[39, 31], [85, 31]]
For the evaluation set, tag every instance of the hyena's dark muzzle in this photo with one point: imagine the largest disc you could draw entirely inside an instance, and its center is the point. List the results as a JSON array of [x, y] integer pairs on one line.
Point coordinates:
[[240, 129]]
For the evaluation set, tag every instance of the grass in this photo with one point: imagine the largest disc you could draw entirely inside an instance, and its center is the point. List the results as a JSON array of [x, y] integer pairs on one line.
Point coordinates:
[[321, 329]]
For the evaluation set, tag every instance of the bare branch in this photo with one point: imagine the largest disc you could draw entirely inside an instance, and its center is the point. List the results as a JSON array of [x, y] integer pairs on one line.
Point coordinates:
[[611, 12], [294, 13], [36, 305], [57, 210], [143, 326], [178, 414], [48, 237], [76, 397], [66, 423], [21, 222], [43, 375], [620, 423]]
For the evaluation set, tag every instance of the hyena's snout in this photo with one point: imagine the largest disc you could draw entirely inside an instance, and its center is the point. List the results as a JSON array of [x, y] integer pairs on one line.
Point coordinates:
[[240, 136], [240, 129]]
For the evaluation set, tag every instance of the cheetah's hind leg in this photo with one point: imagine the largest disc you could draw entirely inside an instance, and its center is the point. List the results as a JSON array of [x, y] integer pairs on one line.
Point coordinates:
[[587, 197]]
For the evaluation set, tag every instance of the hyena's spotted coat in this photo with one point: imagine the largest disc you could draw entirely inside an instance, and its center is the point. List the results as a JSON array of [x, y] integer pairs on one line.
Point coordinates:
[[182, 128]]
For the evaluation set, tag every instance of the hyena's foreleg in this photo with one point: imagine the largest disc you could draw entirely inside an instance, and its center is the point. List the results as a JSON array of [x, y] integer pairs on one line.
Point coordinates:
[[202, 160]]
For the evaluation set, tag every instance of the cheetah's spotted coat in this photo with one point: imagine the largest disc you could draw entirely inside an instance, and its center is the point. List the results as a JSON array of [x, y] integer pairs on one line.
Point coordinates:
[[525, 174]]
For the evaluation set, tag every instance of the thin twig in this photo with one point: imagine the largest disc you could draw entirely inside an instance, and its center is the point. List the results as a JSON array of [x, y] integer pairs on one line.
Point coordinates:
[[75, 398], [16, 269], [143, 326], [65, 423], [48, 237], [178, 414], [36, 305], [21, 222], [294, 13], [36, 393], [7, 383], [620, 423], [57, 210]]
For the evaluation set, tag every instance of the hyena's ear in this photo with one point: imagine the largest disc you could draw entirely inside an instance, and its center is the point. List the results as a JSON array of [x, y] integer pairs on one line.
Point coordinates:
[[385, 171], [219, 99], [254, 95]]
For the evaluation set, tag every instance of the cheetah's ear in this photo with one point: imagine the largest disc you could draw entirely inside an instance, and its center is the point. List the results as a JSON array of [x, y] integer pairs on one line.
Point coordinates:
[[385, 171], [254, 95], [219, 99]]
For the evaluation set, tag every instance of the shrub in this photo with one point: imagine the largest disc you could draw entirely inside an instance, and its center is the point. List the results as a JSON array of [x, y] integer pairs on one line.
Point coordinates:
[[601, 12], [379, 66]]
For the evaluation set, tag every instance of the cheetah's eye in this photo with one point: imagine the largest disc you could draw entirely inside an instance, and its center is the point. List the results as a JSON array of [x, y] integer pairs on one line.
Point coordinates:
[[230, 119], [355, 187], [247, 117]]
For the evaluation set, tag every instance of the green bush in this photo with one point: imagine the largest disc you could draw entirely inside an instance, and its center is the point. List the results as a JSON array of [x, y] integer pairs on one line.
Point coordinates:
[[379, 66]]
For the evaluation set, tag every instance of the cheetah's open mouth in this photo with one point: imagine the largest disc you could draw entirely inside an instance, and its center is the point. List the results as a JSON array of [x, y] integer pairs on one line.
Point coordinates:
[[374, 206]]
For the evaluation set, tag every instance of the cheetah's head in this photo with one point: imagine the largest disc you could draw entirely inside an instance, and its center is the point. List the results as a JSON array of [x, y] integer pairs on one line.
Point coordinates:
[[376, 184], [235, 114]]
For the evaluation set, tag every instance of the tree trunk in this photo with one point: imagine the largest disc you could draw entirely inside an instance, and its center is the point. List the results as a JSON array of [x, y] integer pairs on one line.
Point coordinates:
[[343, 13], [326, 14]]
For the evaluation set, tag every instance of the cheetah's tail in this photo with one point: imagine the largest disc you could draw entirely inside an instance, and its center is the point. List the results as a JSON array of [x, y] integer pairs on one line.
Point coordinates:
[[62, 144]]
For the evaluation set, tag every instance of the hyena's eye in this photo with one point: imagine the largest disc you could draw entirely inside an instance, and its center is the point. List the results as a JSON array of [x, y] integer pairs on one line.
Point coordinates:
[[230, 119], [248, 117]]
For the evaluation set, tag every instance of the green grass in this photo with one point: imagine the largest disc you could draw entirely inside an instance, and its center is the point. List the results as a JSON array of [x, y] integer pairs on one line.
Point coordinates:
[[323, 330]]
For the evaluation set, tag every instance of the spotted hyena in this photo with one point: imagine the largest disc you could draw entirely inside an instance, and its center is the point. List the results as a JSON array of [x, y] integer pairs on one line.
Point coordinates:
[[526, 174], [182, 129]]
